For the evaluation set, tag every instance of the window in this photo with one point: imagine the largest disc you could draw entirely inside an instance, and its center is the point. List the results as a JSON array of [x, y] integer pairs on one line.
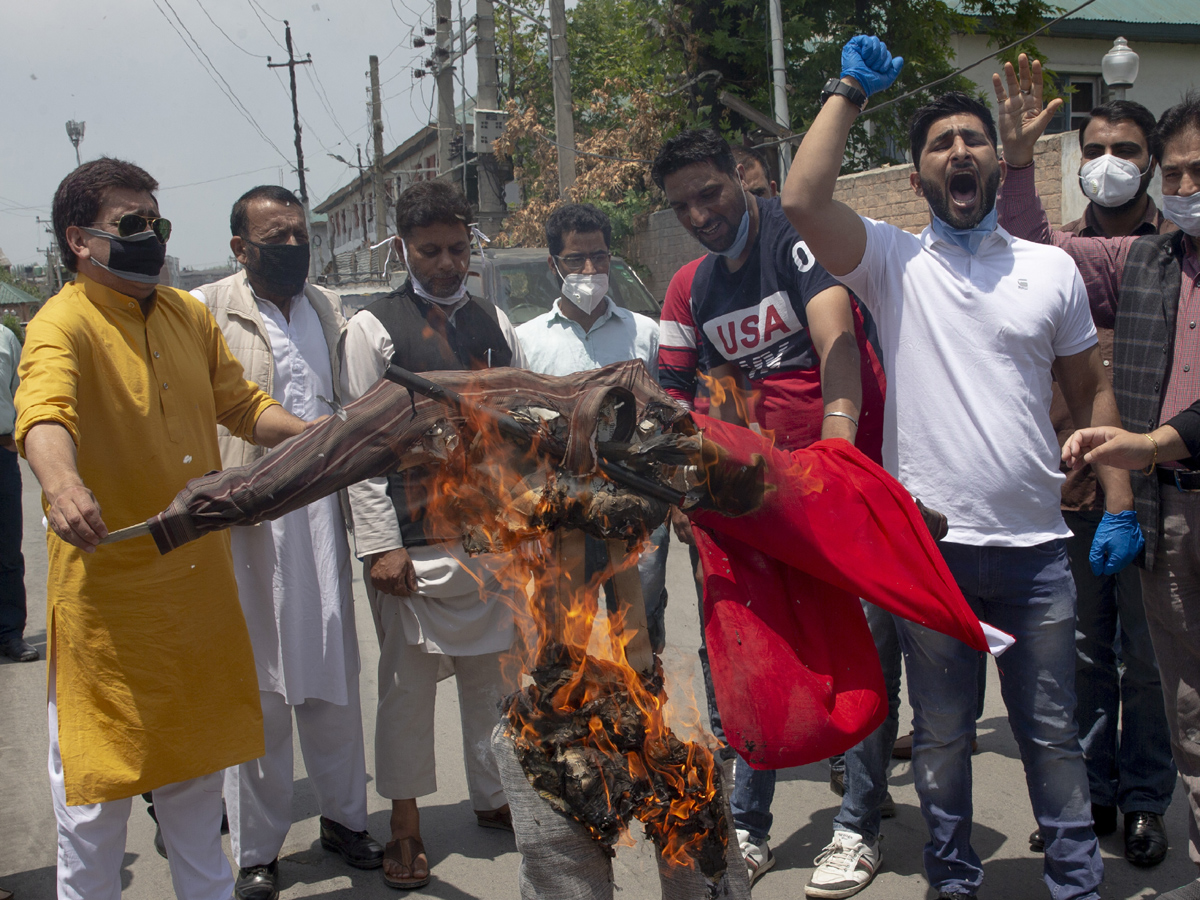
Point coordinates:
[[1081, 93]]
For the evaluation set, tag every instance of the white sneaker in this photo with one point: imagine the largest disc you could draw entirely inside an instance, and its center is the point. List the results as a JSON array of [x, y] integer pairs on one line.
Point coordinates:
[[758, 857], [845, 867]]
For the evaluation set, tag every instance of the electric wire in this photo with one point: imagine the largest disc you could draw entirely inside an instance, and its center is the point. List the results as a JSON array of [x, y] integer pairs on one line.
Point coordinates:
[[217, 78], [175, 187], [265, 26], [227, 37], [882, 106]]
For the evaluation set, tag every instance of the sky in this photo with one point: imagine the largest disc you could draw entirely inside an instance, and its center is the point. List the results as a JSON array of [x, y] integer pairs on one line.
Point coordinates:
[[125, 70]]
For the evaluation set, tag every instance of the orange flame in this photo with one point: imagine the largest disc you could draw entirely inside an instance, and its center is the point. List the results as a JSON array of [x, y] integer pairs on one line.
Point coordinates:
[[578, 679]]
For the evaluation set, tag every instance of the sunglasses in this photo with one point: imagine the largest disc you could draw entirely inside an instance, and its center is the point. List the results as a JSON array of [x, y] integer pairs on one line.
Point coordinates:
[[132, 223]]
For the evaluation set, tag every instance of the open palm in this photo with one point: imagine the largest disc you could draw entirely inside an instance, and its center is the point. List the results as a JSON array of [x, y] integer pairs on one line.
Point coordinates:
[[1022, 116]]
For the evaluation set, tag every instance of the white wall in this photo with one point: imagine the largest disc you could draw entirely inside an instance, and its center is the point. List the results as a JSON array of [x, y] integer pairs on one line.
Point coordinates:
[[1165, 71]]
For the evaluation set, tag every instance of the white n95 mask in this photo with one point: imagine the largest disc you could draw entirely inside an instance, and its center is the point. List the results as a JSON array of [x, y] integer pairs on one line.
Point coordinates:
[[1110, 181], [585, 291]]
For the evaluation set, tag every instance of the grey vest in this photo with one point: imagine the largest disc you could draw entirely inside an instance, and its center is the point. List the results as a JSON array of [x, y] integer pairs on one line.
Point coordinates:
[[1143, 348]]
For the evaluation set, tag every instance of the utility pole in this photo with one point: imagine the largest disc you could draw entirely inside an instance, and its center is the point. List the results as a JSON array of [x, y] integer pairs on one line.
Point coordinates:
[[444, 70], [291, 67], [487, 97], [381, 229], [564, 121], [52, 281], [779, 77]]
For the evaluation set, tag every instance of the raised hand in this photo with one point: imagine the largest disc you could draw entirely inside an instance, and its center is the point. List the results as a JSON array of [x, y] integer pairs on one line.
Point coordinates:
[[1022, 117], [867, 61]]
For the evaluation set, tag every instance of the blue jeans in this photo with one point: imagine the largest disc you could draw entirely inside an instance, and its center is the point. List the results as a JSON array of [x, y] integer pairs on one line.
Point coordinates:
[[652, 571], [866, 763], [1029, 593], [753, 789], [12, 563], [1137, 773]]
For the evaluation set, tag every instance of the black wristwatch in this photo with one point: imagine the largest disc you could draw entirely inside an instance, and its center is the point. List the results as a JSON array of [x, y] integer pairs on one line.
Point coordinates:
[[836, 86]]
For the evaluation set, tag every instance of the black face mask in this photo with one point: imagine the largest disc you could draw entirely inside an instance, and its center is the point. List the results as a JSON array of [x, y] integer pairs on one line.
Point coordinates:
[[279, 269], [138, 258]]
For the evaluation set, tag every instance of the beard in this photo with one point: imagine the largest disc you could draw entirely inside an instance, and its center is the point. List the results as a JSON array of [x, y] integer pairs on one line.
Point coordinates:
[[939, 201], [1143, 186]]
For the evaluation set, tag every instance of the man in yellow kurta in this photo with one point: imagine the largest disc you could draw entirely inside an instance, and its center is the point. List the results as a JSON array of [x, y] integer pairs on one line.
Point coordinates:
[[152, 685]]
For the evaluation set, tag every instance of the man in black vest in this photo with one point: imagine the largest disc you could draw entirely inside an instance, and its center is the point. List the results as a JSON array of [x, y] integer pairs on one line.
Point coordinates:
[[435, 608], [1154, 284]]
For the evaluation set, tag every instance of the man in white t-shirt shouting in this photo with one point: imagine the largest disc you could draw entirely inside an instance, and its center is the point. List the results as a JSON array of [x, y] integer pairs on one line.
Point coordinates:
[[974, 325]]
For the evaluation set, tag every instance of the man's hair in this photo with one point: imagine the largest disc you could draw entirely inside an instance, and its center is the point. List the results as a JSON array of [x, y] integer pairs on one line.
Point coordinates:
[[239, 219], [952, 103], [81, 194], [696, 145], [1183, 115], [431, 203], [1123, 111], [575, 217], [744, 156]]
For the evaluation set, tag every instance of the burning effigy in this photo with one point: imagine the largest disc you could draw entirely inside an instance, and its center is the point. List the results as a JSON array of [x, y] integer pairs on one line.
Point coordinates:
[[528, 464]]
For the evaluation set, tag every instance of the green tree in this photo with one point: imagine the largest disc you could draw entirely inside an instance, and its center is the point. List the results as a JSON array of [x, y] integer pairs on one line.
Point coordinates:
[[10, 321]]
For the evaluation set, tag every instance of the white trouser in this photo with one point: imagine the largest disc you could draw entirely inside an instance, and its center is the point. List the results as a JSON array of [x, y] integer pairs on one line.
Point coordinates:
[[408, 676], [91, 838], [258, 794]]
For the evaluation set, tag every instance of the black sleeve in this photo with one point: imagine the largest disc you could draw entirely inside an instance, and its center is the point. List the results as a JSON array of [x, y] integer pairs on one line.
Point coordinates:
[[1187, 423]]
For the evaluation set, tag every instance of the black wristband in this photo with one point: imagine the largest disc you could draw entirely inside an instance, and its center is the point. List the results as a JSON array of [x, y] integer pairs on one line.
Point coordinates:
[[835, 86]]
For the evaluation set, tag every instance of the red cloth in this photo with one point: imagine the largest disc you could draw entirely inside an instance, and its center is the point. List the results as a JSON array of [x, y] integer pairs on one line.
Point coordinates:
[[794, 666]]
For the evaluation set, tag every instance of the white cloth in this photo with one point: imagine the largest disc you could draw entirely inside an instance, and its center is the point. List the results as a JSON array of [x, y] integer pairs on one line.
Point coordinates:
[[405, 763], [455, 610], [91, 838], [556, 345], [258, 793], [968, 342], [293, 574]]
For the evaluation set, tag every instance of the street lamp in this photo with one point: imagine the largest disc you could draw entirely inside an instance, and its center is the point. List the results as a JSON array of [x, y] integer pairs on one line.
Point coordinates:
[[1120, 67], [75, 133]]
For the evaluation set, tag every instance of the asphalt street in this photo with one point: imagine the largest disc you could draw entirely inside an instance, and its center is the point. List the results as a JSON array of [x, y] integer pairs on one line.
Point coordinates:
[[472, 862]]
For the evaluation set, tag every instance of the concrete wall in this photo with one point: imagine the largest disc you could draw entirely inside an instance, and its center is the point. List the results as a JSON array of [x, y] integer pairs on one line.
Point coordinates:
[[662, 246]]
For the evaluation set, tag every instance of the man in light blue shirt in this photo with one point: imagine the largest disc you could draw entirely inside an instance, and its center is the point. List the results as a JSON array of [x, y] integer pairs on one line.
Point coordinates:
[[585, 329], [12, 563]]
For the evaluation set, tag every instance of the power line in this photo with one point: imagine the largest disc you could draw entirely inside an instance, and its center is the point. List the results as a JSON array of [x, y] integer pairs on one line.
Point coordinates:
[[214, 74], [265, 13], [936, 82], [307, 124], [265, 26], [227, 37], [175, 187]]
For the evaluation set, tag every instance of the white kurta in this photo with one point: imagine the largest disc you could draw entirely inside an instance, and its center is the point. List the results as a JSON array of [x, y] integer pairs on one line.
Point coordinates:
[[450, 613], [293, 574]]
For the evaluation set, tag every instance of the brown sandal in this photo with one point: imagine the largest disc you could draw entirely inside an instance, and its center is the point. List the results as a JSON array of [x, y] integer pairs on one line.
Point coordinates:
[[405, 852], [495, 818]]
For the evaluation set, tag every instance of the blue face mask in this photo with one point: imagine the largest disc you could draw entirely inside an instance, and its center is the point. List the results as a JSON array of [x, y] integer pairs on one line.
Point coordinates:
[[967, 238], [734, 250]]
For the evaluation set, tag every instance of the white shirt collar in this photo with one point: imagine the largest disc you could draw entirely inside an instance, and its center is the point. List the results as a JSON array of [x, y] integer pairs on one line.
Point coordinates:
[[610, 310]]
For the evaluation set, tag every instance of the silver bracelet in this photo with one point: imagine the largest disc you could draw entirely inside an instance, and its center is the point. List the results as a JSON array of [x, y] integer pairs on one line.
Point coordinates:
[[843, 415]]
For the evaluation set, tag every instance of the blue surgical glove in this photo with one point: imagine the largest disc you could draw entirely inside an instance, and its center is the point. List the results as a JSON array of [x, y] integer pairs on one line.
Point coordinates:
[[1117, 543], [867, 61]]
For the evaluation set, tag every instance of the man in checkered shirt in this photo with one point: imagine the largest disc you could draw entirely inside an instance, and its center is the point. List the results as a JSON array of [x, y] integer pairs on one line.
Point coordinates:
[[1153, 284]]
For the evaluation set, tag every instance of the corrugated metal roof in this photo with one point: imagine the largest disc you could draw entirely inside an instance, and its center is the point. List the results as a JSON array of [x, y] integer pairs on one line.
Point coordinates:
[[1166, 12], [10, 295], [1157, 12]]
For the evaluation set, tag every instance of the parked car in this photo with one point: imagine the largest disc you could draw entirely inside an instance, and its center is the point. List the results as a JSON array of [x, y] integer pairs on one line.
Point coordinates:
[[520, 282]]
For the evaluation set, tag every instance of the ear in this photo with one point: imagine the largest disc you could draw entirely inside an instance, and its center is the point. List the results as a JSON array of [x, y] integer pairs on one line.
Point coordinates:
[[1003, 170], [77, 241], [914, 179], [238, 246], [741, 173]]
